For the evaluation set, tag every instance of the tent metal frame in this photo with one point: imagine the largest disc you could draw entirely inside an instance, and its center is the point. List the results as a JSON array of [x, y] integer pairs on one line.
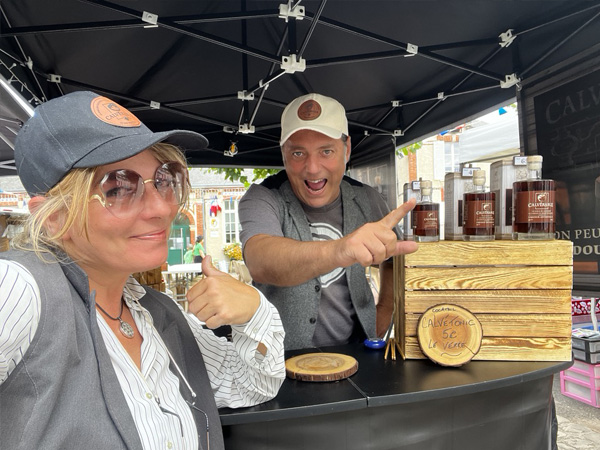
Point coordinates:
[[282, 64]]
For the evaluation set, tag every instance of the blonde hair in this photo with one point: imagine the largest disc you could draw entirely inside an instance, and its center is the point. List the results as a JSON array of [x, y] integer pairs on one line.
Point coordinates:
[[67, 204]]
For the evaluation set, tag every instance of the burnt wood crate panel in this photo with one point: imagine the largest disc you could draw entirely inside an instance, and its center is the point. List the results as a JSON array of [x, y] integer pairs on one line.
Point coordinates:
[[512, 325], [520, 291], [484, 277], [460, 253], [505, 349]]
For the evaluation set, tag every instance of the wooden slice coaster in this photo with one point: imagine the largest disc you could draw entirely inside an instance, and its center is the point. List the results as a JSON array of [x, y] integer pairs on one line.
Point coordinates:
[[449, 334], [321, 367]]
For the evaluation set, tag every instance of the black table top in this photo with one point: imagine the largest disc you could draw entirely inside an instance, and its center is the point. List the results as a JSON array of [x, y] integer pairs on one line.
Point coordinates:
[[381, 382]]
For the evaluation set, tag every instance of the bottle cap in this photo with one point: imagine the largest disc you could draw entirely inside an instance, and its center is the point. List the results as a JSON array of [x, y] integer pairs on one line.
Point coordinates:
[[426, 187], [479, 177], [534, 162]]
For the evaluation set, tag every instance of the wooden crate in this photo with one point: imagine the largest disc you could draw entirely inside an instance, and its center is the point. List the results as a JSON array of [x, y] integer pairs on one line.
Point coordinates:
[[152, 278], [519, 290]]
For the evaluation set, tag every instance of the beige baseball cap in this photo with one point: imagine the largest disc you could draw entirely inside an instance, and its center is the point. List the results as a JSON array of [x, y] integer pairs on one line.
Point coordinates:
[[314, 112]]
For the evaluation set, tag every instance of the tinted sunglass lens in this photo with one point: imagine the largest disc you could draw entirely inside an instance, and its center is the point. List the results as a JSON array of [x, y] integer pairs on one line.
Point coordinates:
[[121, 189], [170, 181]]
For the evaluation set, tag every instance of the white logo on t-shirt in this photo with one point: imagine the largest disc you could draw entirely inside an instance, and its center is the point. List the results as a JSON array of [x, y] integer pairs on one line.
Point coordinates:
[[325, 232]]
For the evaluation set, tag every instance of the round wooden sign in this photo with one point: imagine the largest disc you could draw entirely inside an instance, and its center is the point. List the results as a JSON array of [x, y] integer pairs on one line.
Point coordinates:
[[321, 367], [449, 335]]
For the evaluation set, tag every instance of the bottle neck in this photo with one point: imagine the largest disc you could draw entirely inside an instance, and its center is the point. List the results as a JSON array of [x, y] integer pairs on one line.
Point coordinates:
[[478, 188], [534, 174], [425, 198]]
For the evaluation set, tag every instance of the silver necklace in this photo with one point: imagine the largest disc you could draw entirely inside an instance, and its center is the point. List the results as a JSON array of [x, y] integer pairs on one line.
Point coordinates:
[[124, 327]]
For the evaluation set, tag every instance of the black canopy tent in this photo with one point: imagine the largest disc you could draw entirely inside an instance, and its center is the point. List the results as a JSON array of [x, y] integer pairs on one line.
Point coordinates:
[[402, 69], [12, 115]]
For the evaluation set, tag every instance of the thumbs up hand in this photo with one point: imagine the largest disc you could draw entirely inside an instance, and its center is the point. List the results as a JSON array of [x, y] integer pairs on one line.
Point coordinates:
[[375, 242], [219, 299]]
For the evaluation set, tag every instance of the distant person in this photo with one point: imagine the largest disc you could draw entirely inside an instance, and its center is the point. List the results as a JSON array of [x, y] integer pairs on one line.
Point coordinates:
[[188, 258], [309, 232], [198, 250], [89, 358]]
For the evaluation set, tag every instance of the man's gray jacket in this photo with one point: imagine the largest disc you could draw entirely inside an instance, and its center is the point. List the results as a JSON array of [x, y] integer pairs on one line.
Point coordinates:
[[299, 305]]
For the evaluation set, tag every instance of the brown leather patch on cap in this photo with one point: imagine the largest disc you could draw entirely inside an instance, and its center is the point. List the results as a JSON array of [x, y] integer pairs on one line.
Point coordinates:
[[114, 114], [309, 110]]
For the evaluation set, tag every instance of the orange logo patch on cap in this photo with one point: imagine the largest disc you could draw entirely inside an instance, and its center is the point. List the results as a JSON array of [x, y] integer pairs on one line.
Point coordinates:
[[114, 114], [309, 110]]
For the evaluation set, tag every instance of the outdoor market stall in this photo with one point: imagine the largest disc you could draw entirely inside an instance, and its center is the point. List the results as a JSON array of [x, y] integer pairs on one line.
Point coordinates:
[[498, 396], [404, 404]]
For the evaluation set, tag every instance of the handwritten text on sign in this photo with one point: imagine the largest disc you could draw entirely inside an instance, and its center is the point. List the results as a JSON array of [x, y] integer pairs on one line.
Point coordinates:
[[449, 334]]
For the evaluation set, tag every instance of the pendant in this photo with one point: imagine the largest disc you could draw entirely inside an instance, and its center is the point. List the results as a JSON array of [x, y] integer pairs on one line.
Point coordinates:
[[126, 329]]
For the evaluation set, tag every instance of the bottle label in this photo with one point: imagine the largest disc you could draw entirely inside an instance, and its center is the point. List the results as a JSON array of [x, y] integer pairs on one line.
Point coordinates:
[[479, 214], [426, 220], [535, 207]]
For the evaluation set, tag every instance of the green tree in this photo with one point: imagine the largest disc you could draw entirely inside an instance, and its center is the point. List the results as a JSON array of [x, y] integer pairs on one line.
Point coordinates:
[[237, 174], [403, 151]]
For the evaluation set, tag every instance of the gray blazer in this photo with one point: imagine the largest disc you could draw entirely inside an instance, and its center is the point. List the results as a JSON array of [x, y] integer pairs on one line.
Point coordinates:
[[299, 305], [64, 394]]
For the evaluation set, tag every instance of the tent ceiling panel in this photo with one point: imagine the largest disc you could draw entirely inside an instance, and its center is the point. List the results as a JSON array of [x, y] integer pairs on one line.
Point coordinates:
[[402, 69]]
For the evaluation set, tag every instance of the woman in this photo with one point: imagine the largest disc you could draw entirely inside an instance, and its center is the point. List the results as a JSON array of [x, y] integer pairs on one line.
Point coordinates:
[[198, 250], [88, 357]]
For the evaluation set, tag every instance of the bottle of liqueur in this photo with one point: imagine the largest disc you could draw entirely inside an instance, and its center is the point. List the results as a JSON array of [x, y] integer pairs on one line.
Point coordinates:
[[534, 208], [411, 190], [426, 216], [503, 174], [455, 185], [479, 211]]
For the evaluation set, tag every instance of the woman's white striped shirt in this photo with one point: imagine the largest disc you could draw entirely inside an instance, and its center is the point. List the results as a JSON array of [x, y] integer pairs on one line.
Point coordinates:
[[239, 375]]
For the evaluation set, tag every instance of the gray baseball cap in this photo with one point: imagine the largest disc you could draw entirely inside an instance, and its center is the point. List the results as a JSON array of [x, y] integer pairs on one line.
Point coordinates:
[[84, 129]]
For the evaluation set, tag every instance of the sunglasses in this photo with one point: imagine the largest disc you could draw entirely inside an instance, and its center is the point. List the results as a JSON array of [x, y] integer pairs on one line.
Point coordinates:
[[121, 190]]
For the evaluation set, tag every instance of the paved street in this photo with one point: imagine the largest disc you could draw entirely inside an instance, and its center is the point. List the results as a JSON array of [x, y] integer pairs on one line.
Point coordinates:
[[578, 423]]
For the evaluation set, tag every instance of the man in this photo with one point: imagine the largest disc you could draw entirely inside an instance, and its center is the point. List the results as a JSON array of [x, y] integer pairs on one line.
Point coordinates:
[[309, 232]]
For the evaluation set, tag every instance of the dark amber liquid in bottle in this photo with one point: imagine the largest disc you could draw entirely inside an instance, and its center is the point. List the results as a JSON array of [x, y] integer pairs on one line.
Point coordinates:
[[484, 230], [523, 225], [422, 226]]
